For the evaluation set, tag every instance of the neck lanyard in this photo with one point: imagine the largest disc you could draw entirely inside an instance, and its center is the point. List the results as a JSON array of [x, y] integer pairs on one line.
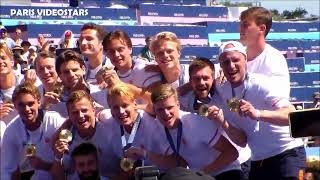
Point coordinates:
[[169, 138], [28, 141], [245, 84], [127, 144]]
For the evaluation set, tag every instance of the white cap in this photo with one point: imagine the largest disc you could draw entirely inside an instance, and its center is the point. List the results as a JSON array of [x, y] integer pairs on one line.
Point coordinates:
[[237, 46], [33, 48]]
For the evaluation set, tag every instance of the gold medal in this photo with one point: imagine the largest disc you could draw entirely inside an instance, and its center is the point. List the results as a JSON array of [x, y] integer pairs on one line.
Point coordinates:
[[126, 164], [203, 110], [65, 134], [30, 150], [233, 104], [58, 89]]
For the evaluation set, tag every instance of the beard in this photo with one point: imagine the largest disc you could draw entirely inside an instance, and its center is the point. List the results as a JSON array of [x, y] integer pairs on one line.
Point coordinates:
[[94, 176]]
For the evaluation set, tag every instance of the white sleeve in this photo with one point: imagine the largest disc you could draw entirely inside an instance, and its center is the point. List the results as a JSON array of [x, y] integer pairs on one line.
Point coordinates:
[[9, 155]]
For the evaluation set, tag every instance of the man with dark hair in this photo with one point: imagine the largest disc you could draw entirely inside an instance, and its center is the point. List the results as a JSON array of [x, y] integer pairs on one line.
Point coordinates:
[[85, 159], [262, 58], [26, 141], [91, 37]]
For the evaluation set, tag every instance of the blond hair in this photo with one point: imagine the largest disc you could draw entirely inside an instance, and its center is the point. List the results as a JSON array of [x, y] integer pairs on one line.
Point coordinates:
[[78, 95], [121, 90], [165, 36], [163, 91]]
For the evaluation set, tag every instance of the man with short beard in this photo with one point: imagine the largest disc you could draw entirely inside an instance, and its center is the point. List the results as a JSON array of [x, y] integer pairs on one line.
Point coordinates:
[[85, 159]]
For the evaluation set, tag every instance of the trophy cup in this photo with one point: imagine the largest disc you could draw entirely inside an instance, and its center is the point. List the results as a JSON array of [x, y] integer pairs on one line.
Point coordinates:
[[233, 104], [203, 110], [126, 164], [65, 134], [30, 150]]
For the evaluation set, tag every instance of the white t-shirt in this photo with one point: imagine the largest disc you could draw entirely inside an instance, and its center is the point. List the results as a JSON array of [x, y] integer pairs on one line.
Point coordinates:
[[138, 76], [91, 73], [183, 78], [199, 135], [14, 139], [270, 139], [272, 64], [145, 137], [186, 104], [102, 140], [98, 95]]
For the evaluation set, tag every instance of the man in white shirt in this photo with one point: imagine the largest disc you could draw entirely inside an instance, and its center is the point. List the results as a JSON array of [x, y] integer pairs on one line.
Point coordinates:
[[84, 127], [71, 70], [255, 24], [90, 41], [256, 108], [194, 138], [166, 48], [202, 71], [27, 140], [118, 47]]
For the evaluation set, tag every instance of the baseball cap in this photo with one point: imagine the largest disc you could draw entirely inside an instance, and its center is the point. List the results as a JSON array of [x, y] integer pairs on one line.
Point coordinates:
[[67, 33], [237, 46], [181, 173]]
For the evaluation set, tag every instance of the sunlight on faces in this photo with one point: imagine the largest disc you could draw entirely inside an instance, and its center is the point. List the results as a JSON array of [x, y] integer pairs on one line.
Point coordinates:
[[249, 31], [167, 111], [123, 109], [82, 114], [27, 107], [71, 72], [201, 81], [233, 64], [6, 62], [167, 54], [89, 42], [46, 70], [86, 165], [119, 54]]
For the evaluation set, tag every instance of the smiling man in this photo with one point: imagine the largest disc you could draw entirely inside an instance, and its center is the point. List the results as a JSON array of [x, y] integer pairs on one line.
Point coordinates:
[[84, 128], [196, 139], [34, 128], [118, 47], [166, 48], [256, 108]]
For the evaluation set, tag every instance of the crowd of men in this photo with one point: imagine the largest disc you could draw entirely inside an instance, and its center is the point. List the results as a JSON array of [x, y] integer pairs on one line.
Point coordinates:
[[102, 113]]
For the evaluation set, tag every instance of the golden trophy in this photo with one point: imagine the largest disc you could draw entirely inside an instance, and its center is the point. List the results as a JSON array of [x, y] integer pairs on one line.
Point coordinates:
[[233, 104], [65, 134], [30, 150], [203, 110], [126, 164]]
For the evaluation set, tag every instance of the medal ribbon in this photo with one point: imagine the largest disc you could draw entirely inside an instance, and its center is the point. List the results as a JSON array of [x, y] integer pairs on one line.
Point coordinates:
[[169, 138], [127, 144]]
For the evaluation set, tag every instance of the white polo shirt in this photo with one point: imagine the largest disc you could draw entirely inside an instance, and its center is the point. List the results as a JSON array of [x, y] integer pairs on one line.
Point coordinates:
[[149, 136], [14, 139], [270, 139], [186, 104], [199, 135]]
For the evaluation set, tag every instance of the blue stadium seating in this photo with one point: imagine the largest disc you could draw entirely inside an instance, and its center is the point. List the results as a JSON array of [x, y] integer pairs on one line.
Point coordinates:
[[301, 94], [296, 64], [304, 79]]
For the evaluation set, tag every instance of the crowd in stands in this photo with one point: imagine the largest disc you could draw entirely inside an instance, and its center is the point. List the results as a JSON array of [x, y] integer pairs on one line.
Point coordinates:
[[87, 109]]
